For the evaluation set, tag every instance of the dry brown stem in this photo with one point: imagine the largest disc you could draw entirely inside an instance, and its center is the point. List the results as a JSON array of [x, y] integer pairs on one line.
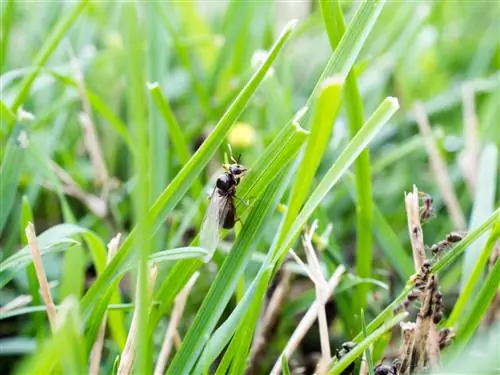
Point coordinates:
[[171, 332], [308, 320], [128, 354], [70, 187], [270, 315], [439, 169], [90, 138], [418, 249], [408, 329], [469, 158], [41, 276]]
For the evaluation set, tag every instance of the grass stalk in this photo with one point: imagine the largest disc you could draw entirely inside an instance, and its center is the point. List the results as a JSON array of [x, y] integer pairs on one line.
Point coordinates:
[[42, 277]]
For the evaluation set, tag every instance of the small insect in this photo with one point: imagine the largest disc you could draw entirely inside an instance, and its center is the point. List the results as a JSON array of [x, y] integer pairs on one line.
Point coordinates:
[[391, 369], [345, 348], [427, 210], [221, 211], [451, 238]]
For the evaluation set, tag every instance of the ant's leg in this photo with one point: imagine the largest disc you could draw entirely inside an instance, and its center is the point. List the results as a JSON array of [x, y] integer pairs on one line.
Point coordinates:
[[242, 201]]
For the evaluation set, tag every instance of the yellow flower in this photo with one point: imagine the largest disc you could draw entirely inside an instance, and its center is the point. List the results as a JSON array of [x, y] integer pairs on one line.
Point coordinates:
[[242, 135]]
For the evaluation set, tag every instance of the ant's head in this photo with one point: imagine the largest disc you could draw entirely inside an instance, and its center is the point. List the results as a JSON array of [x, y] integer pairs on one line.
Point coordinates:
[[236, 170]]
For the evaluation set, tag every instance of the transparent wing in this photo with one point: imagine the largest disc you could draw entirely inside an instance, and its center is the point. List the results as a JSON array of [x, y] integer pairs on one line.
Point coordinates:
[[212, 222]]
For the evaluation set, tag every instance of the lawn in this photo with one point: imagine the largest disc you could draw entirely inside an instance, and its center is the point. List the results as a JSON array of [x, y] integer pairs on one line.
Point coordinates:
[[358, 141]]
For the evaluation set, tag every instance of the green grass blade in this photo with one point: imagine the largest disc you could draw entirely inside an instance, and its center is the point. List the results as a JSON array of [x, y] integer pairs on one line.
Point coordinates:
[[135, 43], [6, 115], [10, 171], [390, 244], [465, 298], [224, 333], [352, 41], [46, 51], [181, 183], [484, 203], [284, 366], [325, 113], [472, 236], [480, 305], [224, 284], [364, 344], [174, 131], [66, 346], [7, 18], [334, 23], [368, 352]]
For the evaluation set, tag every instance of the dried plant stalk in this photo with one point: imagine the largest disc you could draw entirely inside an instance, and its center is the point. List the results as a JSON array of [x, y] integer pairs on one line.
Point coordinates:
[[423, 327], [415, 228], [90, 138], [171, 332], [40, 274], [270, 315], [439, 170], [128, 354], [469, 158], [418, 249], [96, 353], [307, 321], [408, 329]]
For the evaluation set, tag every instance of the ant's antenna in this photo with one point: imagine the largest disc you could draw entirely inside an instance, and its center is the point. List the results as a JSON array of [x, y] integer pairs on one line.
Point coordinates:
[[231, 157]]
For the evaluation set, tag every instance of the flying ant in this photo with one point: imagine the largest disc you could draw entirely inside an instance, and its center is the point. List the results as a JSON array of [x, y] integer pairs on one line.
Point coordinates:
[[221, 212]]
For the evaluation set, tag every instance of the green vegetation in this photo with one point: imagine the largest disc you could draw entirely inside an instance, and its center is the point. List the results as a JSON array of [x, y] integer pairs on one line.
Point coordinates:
[[116, 118]]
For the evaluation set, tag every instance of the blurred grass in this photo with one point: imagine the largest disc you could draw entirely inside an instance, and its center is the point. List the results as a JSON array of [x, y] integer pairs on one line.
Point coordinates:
[[165, 84]]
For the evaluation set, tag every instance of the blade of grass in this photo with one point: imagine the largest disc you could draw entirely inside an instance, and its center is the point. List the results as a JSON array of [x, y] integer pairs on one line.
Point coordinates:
[[333, 19], [325, 113], [224, 333], [38, 319], [364, 344], [135, 39], [174, 131], [10, 171], [465, 298], [66, 346], [368, 352], [5, 113], [471, 320], [46, 50], [7, 18], [389, 242], [484, 203], [181, 183], [284, 366]]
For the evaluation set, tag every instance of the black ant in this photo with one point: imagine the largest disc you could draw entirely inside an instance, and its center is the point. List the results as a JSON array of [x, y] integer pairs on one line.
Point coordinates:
[[451, 238], [427, 210], [345, 348]]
